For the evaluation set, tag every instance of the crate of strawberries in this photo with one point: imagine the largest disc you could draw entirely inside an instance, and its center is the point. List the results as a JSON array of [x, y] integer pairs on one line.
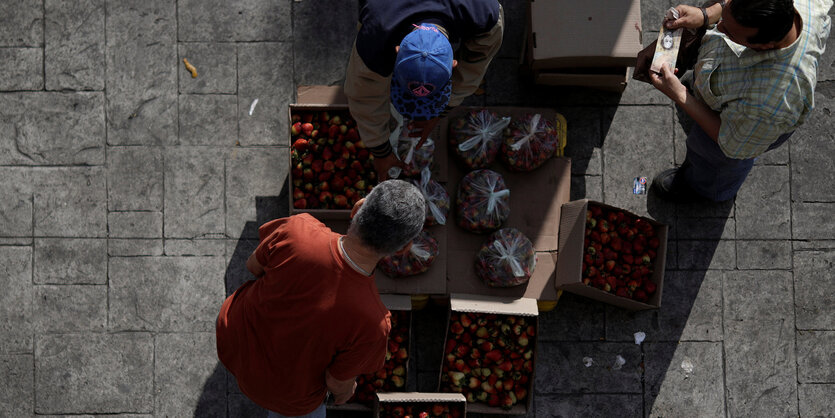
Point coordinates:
[[420, 405], [330, 168], [489, 352], [612, 255]]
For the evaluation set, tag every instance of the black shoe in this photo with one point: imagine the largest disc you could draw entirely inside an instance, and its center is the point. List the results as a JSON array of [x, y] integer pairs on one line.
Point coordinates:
[[668, 187]]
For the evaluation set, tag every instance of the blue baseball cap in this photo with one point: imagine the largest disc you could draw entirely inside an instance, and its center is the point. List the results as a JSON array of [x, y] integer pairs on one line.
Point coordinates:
[[420, 83]]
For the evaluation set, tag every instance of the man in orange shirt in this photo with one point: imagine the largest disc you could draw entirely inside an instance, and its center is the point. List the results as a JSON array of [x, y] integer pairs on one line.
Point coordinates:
[[312, 320]]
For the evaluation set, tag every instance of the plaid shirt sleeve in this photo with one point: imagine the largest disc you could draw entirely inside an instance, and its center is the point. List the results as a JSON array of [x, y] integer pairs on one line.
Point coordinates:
[[747, 131]]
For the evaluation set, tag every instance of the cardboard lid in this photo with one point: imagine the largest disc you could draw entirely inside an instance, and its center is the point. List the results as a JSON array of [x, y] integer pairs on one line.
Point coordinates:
[[420, 397], [462, 302], [590, 28], [397, 302], [321, 95]]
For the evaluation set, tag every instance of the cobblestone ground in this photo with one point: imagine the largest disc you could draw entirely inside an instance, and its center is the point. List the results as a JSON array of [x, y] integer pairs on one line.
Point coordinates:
[[131, 194]]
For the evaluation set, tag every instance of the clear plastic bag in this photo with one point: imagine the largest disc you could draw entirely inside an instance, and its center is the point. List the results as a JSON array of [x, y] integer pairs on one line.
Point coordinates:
[[477, 136], [506, 259], [530, 141], [483, 201], [414, 159], [436, 197], [416, 260]]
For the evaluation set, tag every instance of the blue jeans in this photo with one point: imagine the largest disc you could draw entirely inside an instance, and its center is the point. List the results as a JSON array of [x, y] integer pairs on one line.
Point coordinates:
[[711, 174], [317, 413]]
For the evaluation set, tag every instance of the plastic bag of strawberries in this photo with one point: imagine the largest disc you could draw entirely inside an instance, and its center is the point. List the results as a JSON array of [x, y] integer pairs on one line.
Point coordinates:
[[414, 159], [507, 259], [529, 142], [435, 196], [415, 260], [476, 137], [483, 201]]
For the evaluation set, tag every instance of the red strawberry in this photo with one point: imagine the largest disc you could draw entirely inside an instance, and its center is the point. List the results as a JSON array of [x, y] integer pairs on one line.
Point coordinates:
[[307, 128]]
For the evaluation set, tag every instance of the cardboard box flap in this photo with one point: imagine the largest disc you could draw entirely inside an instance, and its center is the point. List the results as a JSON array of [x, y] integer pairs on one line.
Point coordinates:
[[462, 302], [397, 302], [574, 31], [321, 95], [420, 397]]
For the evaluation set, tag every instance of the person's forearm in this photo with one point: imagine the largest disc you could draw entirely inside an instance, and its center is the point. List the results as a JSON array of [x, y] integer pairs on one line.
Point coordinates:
[[707, 118], [714, 12], [342, 390]]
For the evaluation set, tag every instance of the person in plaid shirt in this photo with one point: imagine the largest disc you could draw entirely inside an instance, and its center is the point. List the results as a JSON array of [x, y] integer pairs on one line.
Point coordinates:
[[753, 85]]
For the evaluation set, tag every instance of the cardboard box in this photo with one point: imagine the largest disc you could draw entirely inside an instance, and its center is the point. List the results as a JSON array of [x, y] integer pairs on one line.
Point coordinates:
[[454, 401], [502, 307], [612, 79], [535, 201], [396, 304], [569, 266], [431, 282], [327, 98], [590, 33]]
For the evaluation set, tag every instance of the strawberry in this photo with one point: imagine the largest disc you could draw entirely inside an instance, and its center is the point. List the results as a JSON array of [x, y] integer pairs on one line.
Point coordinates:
[[306, 128]]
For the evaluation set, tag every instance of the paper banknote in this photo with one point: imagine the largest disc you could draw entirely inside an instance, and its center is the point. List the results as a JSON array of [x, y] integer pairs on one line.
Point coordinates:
[[666, 49]]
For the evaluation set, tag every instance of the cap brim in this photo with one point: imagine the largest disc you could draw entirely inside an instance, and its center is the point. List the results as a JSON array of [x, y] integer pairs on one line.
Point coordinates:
[[419, 108]]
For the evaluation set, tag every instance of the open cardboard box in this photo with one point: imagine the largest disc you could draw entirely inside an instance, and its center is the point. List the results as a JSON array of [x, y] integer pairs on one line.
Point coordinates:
[[321, 98], [569, 268], [468, 303], [431, 282], [393, 303], [453, 400], [535, 201]]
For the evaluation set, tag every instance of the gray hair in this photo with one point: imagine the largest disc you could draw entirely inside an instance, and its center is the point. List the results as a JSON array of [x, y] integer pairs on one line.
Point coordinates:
[[391, 216]]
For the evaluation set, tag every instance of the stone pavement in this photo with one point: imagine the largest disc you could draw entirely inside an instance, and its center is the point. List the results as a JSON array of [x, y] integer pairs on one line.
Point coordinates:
[[131, 194]]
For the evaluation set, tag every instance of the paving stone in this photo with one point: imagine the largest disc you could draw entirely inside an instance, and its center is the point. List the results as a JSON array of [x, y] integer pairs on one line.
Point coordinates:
[[70, 261], [574, 319], [588, 405], [763, 255], [134, 178], [21, 69], [52, 128], [760, 364], [762, 209], [810, 148], [706, 210], [134, 247], [813, 245], [429, 327], [239, 20], [587, 187], [74, 35], [16, 242], [70, 308], [672, 255], [816, 400], [180, 247], [17, 385], [814, 307], [560, 368], [705, 228], [322, 48], [706, 254], [134, 224], [70, 202], [815, 357], [515, 29], [141, 79], [241, 406], [584, 140], [90, 372], [194, 195], [16, 204], [812, 221], [640, 93], [215, 64], [652, 14], [691, 310], [187, 377], [21, 23], [208, 119], [256, 189], [779, 156], [632, 133], [681, 127], [237, 252], [684, 379], [264, 73], [165, 293]]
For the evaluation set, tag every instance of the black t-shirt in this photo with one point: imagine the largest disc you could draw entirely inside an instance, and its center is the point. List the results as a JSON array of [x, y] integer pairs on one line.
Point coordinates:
[[386, 22]]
